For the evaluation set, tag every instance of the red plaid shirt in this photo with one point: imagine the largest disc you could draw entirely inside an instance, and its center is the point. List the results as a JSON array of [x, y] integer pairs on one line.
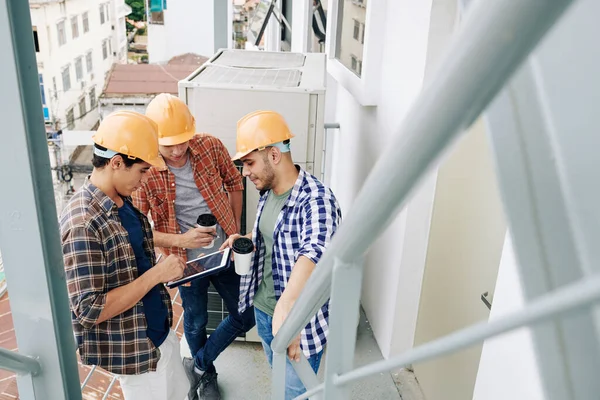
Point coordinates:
[[215, 175]]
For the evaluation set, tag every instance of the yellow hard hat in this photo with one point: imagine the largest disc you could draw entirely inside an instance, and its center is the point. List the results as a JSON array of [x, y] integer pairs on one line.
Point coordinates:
[[132, 134], [260, 129], [175, 122]]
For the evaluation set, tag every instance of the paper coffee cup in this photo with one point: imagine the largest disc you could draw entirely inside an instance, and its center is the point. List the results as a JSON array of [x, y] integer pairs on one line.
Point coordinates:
[[242, 255], [207, 221]]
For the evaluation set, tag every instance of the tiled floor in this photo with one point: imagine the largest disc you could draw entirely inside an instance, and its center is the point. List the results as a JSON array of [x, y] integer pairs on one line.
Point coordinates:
[[96, 386]]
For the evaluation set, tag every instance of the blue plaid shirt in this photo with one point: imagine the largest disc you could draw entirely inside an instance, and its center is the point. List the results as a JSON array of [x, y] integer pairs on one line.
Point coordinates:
[[308, 220]]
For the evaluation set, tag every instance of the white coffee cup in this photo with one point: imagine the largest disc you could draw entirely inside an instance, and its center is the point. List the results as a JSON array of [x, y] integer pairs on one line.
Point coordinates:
[[243, 248], [208, 221]]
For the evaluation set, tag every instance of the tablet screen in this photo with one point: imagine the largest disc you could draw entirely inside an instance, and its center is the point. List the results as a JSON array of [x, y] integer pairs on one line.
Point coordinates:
[[203, 264]]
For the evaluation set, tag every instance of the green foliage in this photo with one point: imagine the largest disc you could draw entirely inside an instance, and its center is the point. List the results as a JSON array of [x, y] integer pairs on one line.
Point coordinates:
[[138, 9]]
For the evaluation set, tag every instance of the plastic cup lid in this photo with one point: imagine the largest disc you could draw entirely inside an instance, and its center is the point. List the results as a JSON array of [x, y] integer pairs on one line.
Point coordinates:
[[207, 220], [243, 246]]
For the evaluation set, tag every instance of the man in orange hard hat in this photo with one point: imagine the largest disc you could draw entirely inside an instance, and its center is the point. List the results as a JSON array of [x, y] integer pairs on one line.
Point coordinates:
[[197, 169], [297, 216], [121, 311]]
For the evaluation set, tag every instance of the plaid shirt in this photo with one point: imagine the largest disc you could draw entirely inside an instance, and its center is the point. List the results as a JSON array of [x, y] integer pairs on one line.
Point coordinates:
[[215, 175], [309, 218], [99, 258]]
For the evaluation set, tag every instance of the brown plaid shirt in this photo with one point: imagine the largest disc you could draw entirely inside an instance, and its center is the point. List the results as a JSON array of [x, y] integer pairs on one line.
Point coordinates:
[[98, 258], [215, 175]]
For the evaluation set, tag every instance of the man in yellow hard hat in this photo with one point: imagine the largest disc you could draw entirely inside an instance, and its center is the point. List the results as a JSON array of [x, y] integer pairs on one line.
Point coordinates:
[[121, 310], [198, 168], [297, 216]]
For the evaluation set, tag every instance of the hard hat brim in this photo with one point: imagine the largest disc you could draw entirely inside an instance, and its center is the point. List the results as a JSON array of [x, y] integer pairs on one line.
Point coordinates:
[[175, 140], [157, 162], [239, 155]]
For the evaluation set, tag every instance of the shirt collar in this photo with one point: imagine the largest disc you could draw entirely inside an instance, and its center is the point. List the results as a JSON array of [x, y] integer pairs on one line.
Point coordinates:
[[99, 196], [296, 190]]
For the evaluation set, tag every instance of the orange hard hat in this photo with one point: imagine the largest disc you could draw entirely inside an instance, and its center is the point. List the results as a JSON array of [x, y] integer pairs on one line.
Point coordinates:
[[132, 134], [176, 124], [260, 129]]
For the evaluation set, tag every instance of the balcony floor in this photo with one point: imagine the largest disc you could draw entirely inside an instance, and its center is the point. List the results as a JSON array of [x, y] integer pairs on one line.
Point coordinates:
[[244, 372]]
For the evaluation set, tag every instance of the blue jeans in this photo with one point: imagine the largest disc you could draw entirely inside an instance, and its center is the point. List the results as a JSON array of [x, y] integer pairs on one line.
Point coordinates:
[[293, 384], [195, 301]]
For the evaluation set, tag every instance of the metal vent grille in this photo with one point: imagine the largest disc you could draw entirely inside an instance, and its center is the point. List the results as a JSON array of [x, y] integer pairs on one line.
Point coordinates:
[[260, 59], [248, 76]]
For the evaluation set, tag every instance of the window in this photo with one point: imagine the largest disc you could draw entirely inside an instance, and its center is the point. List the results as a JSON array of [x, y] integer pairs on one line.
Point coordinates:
[[82, 109], [104, 49], [88, 62], [70, 119], [62, 35], [49, 36], [109, 46], [92, 98], [102, 14], [36, 41], [362, 34], [356, 30], [360, 75], [66, 79], [157, 18], [350, 38], [75, 27], [43, 93], [86, 22], [107, 10], [54, 85], [79, 68]]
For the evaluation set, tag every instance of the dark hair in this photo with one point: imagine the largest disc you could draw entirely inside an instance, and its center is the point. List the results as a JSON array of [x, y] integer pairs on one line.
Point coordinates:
[[101, 162]]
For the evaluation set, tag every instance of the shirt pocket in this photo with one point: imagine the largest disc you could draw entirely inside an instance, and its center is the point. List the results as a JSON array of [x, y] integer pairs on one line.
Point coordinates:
[[159, 206]]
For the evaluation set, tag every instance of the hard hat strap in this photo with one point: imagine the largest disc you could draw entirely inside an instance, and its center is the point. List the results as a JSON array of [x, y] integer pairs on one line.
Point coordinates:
[[283, 147], [104, 153]]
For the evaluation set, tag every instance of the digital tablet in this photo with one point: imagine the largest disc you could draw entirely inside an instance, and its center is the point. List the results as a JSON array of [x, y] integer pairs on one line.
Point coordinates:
[[203, 266]]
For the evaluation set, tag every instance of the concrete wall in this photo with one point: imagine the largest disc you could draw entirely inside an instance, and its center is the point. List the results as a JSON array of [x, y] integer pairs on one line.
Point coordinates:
[[52, 58], [189, 27]]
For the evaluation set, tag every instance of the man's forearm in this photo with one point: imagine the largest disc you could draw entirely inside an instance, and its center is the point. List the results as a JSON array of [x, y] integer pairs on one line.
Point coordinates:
[[162, 239], [125, 297], [236, 202], [300, 274]]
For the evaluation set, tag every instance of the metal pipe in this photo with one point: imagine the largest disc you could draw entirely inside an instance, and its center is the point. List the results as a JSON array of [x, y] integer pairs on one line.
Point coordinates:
[[568, 299], [15, 362], [88, 377], [495, 39], [109, 388]]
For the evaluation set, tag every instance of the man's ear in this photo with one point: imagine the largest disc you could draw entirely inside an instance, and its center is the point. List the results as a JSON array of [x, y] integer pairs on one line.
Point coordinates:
[[275, 155], [116, 162]]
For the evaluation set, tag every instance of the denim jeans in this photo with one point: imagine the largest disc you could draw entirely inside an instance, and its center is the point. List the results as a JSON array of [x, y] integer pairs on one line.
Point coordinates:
[[293, 384], [195, 302]]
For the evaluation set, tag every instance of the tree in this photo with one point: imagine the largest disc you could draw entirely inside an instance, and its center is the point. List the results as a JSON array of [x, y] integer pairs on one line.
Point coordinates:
[[138, 8]]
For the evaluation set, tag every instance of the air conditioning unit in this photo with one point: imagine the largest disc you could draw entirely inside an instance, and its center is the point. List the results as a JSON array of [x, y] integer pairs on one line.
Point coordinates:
[[234, 83]]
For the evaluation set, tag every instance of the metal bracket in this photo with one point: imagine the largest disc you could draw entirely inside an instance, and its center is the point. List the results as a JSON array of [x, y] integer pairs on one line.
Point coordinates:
[[484, 298]]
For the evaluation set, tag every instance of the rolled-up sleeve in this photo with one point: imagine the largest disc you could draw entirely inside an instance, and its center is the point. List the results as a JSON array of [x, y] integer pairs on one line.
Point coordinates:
[[85, 273], [320, 221]]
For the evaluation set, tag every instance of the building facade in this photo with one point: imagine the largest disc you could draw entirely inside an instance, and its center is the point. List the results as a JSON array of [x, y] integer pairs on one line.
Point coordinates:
[[76, 43]]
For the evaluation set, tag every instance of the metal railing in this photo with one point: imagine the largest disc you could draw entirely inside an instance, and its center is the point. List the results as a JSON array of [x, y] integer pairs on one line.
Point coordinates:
[[495, 39]]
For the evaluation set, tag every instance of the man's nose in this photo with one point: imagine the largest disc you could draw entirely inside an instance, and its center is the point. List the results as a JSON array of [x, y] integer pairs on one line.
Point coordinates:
[[245, 171]]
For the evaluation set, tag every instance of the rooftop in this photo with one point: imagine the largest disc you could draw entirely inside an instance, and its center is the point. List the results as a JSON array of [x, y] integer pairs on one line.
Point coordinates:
[[145, 79]]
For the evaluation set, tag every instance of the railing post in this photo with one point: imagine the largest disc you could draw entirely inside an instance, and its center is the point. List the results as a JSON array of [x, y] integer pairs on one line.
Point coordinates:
[[278, 383], [343, 317], [29, 233]]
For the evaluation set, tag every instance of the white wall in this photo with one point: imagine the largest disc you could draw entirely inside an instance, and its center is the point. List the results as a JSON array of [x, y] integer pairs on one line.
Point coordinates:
[[52, 58], [510, 356], [188, 28], [390, 277]]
